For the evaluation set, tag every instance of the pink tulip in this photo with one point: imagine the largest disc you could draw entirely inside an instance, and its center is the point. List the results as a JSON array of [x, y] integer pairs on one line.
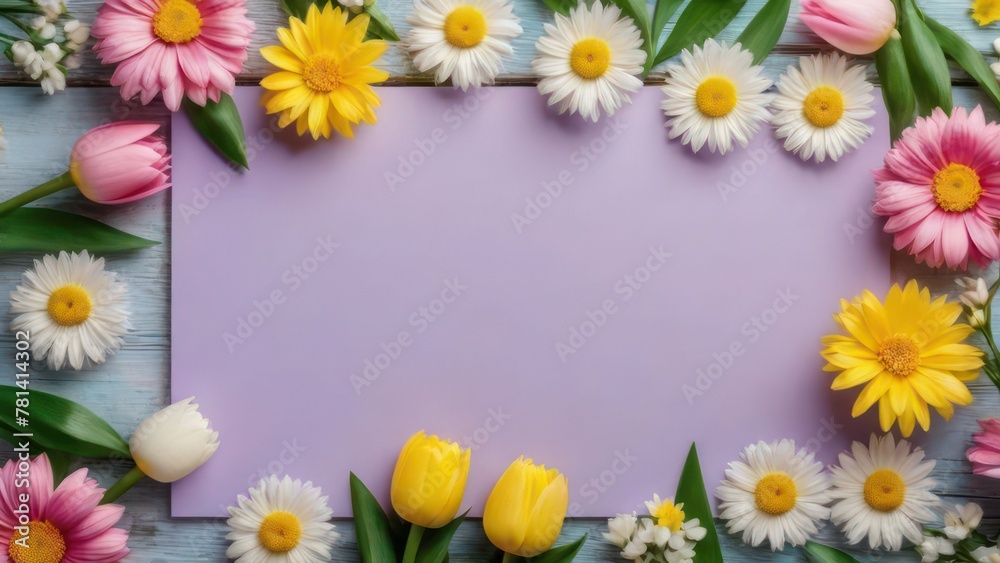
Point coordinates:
[[120, 162], [985, 454], [858, 27]]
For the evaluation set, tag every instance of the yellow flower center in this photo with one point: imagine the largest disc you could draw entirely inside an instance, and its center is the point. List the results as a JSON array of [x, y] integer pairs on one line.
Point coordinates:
[[465, 27], [776, 493], [69, 305], [884, 490], [43, 543], [956, 187], [669, 515], [899, 354], [716, 96], [322, 72], [824, 106], [590, 58], [177, 21], [280, 532]]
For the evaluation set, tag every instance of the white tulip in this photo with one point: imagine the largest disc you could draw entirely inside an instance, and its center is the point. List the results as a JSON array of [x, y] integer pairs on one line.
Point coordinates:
[[173, 442]]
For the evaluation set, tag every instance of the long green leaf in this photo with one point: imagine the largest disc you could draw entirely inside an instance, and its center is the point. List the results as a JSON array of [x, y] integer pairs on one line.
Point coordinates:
[[379, 24], [637, 10], [561, 554], [691, 491], [434, 545], [36, 229], [60, 424], [764, 30], [220, 124], [967, 56], [665, 9], [819, 553], [296, 8], [371, 525], [701, 20], [560, 6], [925, 60], [897, 91]]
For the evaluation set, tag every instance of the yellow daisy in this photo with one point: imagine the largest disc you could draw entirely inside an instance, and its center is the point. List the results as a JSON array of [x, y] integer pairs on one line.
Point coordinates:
[[985, 12], [908, 354], [324, 81]]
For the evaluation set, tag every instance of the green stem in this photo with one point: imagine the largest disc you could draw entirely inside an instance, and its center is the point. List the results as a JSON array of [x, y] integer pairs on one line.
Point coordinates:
[[508, 558], [48, 188], [413, 543], [21, 25], [123, 484]]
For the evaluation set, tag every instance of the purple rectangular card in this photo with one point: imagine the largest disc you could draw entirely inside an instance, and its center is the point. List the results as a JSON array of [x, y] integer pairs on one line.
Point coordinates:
[[593, 296]]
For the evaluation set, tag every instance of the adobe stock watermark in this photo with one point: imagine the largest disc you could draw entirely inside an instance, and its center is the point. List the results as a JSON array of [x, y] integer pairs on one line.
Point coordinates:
[[621, 461], [740, 174], [495, 420], [425, 147], [290, 452], [291, 281], [863, 221], [750, 332], [419, 321], [580, 160], [624, 289]]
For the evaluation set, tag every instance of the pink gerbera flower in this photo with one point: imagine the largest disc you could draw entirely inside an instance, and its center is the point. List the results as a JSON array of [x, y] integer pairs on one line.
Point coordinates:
[[64, 525], [175, 46], [940, 189], [985, 454]]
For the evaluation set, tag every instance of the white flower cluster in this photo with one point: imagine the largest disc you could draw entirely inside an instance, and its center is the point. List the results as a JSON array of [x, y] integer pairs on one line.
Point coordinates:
[[48, 65], [52, 8], [643, 541], [958, 526], [976, 298]]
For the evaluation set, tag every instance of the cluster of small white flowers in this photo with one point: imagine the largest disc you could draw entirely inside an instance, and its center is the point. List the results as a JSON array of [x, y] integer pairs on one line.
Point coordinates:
[[975, 297], [643, 541], [958, 526], [52, 8], [41, 65]]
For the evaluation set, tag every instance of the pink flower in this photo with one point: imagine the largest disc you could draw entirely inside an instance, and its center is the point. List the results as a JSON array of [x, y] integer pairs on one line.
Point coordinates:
[[175, 46], [940, 189], [120, 162], [65, 524], [985, 455], [858, 27]]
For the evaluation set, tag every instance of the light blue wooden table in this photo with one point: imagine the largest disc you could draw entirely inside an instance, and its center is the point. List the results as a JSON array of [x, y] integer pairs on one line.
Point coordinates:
[[135, 383]]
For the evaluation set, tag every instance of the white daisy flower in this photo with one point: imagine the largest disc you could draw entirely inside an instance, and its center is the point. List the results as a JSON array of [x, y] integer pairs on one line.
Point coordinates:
[[589, 60], [283, 521], [715, 96], [884, 493], [966, 518], [465, 40], [774, 493], [72, 309], [821, 107]]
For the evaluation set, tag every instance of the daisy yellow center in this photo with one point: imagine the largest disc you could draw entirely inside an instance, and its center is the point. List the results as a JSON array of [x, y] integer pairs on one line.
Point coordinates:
[[280, 532], [956, 187], [43, 543], [776, 493], [590, 58], [669, 515], [899, 354], [322, 73], [884, 490], [69, 305], [824, 106], [177, 21], [716, 97], [465, 27]]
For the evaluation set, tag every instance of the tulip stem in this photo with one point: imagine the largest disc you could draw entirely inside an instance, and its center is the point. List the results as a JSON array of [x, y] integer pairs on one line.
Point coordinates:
[[413, 543], [123, 484], [508, 558], [48, 188]]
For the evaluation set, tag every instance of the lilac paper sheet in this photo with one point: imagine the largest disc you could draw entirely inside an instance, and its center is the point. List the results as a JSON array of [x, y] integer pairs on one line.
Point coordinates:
[[591, 295]]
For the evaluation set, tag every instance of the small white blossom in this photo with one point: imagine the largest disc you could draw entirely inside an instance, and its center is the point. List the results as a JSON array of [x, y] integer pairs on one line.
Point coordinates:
[[975, 297], [933, 547], [52, 8], [958, 525], [76, 33], [987, 554], [621, 529], [27, 59], [45, 29]]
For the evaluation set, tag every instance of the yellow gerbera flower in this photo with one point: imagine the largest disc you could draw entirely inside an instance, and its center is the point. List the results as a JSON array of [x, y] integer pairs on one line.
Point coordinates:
[[908, 353], [985, 12], [324, 79]]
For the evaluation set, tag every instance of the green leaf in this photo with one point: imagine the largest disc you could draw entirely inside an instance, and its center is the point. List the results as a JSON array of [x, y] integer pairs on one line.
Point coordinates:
[[967, 56], [296, 8], [665, 9], [220, 124], [36, 229], [379, 24], [818, 553], [62, 425], [561, 554], [897, 89], [764, 30], [560, 6], [637, 10], [691, 491], [434, 545], [701, 20], [371, 525], [925, 60]]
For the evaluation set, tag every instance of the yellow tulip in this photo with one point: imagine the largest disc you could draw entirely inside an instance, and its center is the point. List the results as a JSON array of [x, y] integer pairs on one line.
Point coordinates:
[[525, 511], [429, 480]]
